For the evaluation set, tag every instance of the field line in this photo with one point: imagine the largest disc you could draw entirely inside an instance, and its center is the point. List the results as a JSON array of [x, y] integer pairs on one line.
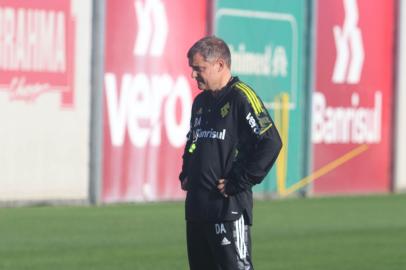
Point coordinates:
[[326, 169]]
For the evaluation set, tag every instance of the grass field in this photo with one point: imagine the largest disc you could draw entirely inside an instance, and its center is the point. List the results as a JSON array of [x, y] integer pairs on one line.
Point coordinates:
[[353, 233]]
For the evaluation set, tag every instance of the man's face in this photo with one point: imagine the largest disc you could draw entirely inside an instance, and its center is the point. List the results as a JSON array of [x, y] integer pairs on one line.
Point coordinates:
[[204, 72]]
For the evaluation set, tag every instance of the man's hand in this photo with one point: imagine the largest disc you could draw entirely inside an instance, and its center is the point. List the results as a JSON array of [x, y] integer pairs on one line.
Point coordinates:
[[184, 184], [221, 186]]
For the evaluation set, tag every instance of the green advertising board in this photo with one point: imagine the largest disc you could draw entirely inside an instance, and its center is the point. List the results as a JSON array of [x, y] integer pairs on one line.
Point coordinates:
[[267, 44]]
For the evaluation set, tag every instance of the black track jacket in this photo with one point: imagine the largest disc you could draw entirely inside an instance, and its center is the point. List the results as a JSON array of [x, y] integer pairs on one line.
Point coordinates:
[[233, 137]]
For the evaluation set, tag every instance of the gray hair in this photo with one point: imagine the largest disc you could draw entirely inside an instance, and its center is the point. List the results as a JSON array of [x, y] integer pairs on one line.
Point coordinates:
[[211, 47]]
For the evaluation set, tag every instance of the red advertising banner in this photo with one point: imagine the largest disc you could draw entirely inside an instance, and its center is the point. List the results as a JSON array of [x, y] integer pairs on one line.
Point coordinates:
[[148, 95], [352, 103], [36, 50]]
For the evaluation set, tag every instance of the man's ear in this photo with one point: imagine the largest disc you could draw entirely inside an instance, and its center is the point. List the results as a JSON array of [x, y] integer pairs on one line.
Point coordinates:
[[221, 64]]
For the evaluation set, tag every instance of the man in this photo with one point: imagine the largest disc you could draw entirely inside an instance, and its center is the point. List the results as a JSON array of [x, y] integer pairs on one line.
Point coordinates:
[[231, 146]]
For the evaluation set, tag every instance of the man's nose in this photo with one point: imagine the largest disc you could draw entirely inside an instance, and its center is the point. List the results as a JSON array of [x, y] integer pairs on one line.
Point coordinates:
[[194, 74]]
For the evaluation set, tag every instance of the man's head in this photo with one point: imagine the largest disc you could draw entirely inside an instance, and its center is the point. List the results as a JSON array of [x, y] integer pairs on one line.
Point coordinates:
[[210, 60]]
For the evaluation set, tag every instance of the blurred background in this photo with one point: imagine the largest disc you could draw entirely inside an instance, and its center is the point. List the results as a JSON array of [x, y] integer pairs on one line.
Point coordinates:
[[95, 96]]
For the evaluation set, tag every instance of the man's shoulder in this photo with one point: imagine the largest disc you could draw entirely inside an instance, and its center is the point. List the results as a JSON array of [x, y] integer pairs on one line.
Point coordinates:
[[242, 86], [200, 97], [244, 92]]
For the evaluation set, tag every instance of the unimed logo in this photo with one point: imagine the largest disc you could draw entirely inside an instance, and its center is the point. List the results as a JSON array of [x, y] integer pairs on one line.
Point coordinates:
[[349, 46]]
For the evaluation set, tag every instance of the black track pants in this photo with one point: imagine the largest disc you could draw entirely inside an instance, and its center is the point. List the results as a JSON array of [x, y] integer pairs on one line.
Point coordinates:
[[219, 246]]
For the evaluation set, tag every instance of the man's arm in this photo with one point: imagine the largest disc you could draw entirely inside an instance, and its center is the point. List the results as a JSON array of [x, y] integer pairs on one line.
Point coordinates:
[[258, 153], [187, 152], [183, 174], [185, 157]]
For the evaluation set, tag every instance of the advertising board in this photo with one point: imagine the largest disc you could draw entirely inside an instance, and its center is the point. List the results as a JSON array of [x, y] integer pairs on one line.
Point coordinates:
[[267, 42], [148, 96], [352, 102]]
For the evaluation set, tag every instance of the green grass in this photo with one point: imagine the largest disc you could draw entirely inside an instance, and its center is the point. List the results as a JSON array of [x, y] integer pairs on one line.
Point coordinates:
[[353, 233]]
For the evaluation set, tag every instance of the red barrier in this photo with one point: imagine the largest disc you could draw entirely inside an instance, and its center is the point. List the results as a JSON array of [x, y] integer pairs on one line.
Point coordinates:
[[352, 105], [148, 96]]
